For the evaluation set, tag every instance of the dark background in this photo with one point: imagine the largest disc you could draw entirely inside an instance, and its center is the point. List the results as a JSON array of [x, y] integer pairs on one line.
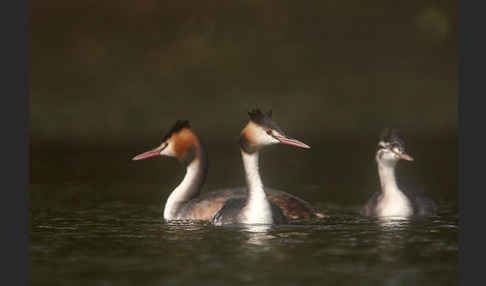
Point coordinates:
[[108, 78]]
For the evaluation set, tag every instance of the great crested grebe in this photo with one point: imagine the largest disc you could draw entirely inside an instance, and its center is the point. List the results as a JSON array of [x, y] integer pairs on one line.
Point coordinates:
[[186, 203], [256, 208], [392, 201], [184, 145]]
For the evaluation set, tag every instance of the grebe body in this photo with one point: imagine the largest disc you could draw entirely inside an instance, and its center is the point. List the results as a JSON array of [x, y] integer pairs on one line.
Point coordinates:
[[391, 200], [186, 202], [256, 207], [205, 206]]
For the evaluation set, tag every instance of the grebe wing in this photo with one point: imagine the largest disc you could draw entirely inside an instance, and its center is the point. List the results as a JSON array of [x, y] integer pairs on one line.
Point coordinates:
[[422, 205], [229, 213], [293, 208], [205, 206], [278, 215], [369, 208]]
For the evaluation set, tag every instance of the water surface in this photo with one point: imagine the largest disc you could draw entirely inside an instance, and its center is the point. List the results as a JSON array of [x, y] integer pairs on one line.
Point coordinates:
[[95, 219], [121, 244]]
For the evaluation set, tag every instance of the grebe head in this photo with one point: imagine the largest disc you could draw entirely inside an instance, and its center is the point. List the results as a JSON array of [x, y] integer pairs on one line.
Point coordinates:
[[262, 131], [180, 142], [391, 148]]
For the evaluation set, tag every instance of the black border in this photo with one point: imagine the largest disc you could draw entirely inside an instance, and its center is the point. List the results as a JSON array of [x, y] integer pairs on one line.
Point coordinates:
[[15, 142], [471, 121], [460, 153]]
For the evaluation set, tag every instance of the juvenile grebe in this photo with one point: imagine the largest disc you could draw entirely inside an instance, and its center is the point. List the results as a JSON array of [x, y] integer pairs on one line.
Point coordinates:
[[187, 203], [392, 201], [256, 208]]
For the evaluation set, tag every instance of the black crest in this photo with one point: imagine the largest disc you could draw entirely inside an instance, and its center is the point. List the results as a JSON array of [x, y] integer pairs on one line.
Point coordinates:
[[178, 126], [257, 116], [393, 137], [264, 119]]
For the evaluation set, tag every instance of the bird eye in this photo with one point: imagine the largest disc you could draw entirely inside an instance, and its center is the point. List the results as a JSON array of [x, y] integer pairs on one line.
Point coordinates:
[[396, 148]]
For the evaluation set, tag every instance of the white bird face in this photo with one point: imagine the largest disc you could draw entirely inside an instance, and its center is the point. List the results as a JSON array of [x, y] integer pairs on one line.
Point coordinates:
[[258, 136], [177, 143], [389, 153]]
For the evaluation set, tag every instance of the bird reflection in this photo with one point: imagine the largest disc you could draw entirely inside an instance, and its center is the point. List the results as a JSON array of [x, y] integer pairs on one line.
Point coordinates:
[[393, 222], [184, 230], [258, 234], [392, 238]]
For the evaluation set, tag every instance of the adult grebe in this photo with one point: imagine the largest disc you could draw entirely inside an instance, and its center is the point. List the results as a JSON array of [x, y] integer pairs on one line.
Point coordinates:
[[184, 145], [392, 201], [186, 203], [256, 208]]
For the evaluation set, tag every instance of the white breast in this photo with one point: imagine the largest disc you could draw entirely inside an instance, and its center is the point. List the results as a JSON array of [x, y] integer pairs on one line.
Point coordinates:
[[258, 212], [395, 204]]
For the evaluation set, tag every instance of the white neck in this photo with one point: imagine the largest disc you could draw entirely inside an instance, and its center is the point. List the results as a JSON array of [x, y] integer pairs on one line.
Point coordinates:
[[387, 179], [257, 209], [186, 190], [393, 201]]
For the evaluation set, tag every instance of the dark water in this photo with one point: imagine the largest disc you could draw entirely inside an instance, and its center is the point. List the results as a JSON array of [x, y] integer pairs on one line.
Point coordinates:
[[95, 220], [123, 244]]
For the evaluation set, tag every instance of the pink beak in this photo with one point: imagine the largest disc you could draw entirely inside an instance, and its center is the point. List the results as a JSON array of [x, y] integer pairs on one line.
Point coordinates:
[[291, 141], [149, 154], [404, 156]]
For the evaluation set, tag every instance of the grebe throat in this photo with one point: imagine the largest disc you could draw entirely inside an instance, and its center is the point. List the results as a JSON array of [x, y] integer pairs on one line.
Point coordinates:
[[392, 201], [189, 188], [257, 209]]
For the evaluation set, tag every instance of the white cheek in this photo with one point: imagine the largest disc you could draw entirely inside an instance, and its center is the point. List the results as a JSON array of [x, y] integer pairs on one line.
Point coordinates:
[[168, 151], [389, 157], [263, 138], [269, 140], [386, 157]]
